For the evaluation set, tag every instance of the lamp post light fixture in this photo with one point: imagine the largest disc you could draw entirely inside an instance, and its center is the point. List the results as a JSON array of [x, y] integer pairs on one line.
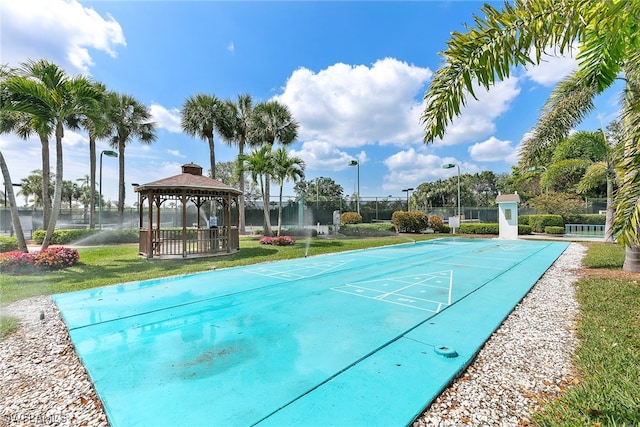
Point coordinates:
[[108, 153], [355, 163], [408, 190], [449, 166]]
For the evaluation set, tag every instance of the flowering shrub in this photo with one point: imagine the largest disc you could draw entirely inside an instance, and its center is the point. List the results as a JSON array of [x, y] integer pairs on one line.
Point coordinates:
[[283, 241], [56, 258], [51, 259], [266, 240], [16, 262], [277, 241]]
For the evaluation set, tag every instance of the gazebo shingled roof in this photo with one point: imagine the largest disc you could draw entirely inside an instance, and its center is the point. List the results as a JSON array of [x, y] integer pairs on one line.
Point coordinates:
[[191, 177]]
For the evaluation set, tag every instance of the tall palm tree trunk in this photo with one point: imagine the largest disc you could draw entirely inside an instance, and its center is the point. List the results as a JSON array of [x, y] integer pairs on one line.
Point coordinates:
[[121, 187], [57, 194], [242, 222], [267, 198], [46, 181], [280, 211], [15, 217], [92, 181], [632, 259], [608, 223]]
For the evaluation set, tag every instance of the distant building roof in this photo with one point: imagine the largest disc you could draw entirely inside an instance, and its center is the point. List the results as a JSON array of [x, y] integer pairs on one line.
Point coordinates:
[[506, 198]]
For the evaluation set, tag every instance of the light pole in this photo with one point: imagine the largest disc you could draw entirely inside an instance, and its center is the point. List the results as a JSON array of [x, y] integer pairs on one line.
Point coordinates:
[[408, 190], [449, 166], [108, 153], [355, 163]]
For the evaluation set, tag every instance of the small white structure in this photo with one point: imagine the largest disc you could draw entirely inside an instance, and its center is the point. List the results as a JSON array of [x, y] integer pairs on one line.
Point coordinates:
[[508, 215]]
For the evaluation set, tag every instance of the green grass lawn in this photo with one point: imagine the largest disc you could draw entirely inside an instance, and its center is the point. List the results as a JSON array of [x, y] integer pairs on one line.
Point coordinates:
[[107, 265], [608, 357]]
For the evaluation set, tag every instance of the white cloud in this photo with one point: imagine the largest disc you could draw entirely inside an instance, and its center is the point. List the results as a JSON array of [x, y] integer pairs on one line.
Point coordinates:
[[231, 47], [491, 150], [350, 106], [476, 119], [62, 31], [553, 68], [176, 153], [322, 155], [168, 119]]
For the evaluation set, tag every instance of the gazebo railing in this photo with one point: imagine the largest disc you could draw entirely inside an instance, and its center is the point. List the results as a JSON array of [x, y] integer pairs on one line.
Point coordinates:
[[195, 241]]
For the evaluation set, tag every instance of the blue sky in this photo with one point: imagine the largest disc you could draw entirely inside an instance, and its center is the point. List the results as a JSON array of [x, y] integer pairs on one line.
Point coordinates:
[[353, 74]]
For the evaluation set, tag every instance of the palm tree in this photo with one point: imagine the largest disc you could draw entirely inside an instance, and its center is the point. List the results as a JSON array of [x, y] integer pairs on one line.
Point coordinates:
[[272, 122], [285, 168], [24, 125], [202, 115], [259, 164], [606, 36], [97, 128], [44, 91], [239, 121], [127, 119]]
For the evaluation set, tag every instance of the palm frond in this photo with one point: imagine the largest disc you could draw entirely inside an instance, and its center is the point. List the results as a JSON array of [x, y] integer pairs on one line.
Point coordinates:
[[487, 52]]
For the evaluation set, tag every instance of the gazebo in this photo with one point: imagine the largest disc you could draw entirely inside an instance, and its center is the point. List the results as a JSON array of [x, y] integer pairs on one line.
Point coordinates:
[[204, 237]]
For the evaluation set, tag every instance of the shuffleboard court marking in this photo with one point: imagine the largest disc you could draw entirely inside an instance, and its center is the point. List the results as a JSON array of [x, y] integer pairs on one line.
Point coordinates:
[[410, 291]]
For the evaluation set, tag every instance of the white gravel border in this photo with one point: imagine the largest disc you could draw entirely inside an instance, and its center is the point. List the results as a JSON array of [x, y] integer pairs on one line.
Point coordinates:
[[527, 360]]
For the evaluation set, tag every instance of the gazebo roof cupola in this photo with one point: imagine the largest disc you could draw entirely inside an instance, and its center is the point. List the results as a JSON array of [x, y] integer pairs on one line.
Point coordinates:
[[192, 168]]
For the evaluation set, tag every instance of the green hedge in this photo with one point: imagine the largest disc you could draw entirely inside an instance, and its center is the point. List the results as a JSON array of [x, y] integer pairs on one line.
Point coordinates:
[[84, 237], [478, 228], [299, 232], [590, 219], [489, 228], [8, 243], [368, 230], [552, 229], [539, 222]]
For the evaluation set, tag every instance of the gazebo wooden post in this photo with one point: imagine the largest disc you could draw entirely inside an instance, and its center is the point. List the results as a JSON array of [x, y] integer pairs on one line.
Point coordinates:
[[228, 222], [184, 199], [150, 226]]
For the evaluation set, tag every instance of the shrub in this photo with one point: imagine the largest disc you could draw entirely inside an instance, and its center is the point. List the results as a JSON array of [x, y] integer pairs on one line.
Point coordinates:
[[266, 240], [17, 262], [523, 219], [283, 241], [552, 229], [410, 222], [8, 243], [56, 258], [350, 218], [436, 223], [368, 230], [539, 222], [479, 228], [590, 219], [53, 258], [277, 241], [89, 237], [524, 229], [300, 232]]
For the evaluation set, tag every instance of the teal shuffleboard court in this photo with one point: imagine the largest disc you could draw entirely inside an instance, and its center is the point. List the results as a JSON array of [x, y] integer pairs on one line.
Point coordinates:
[[368, 337]]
